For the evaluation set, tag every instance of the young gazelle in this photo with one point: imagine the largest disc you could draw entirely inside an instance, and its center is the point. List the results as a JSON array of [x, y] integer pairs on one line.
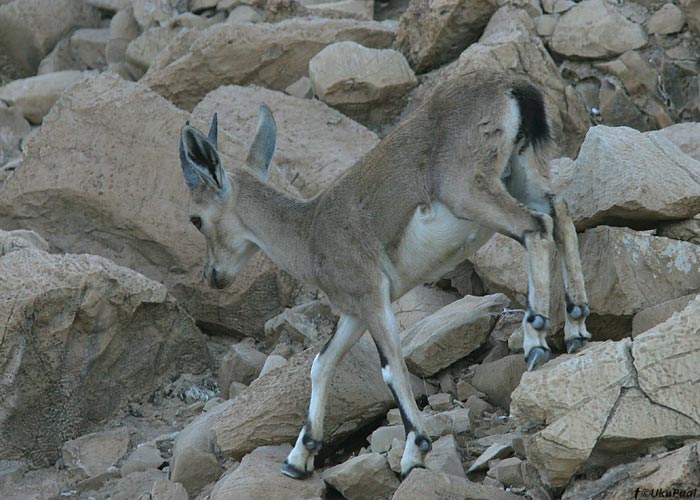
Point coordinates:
[[467, 163]]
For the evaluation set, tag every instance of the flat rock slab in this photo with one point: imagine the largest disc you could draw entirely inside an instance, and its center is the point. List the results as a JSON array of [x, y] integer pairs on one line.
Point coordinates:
[[95, 453], [259, 478]]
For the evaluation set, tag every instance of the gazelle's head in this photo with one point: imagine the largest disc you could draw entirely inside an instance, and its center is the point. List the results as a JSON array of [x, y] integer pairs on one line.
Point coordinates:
[[213, 198]]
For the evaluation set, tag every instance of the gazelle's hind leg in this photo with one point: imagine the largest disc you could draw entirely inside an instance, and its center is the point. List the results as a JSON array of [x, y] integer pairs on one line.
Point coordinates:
[[577, 310], [300, 461]]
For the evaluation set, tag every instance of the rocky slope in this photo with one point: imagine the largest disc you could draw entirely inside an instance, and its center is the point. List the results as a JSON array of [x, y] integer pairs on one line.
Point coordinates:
[[123, 376]]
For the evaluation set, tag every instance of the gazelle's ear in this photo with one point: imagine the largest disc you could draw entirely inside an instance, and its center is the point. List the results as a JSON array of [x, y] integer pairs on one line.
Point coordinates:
[[200, 160], [263, 147]]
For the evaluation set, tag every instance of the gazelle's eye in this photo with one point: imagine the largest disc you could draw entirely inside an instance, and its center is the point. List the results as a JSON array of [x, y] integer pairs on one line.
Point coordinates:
[[196, 221]]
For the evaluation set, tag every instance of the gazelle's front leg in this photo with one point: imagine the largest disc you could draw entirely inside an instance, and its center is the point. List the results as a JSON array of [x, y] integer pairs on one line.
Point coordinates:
[[384, 331], [577, 310], [300, 461]]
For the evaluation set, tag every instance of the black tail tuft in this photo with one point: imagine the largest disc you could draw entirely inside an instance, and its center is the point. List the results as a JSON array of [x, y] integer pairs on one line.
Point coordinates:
[[533, 123]]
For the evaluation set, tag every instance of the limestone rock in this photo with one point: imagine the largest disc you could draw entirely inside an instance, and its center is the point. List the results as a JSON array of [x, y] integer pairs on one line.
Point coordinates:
[[365, 84], [165, 490], [499, 378], [89, 45], [272, 363], [86, 174], [453, 421], [259, 478], [691, 8], [138, 337], [382, 437], [494, 451], [596, 29], [122, 30], [315, 144], [195, 462], [242, 363], [422, 484], [684, 135], [270, 55], [687, 230], [135, 486], [155, 12], [36, 95], [612, 399], [364, 477], [271, 409], [444, 457], [433, 33], [451, 333], [624, 176], [13, 128], [419, 303], [440, 402], [11, 241], [244, 14], [667, 20], [655, 315], [146, 456], [29, 29], [95, 453], [509, 472], [61, 58], [144, 49]]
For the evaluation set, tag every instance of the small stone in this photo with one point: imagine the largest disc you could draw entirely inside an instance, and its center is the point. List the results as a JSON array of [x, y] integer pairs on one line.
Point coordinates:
[[445, 457], [301, 88], [452, 421], [95, 453], [440, 401], [667, 20], [241, 364], [235, 389], [477, 407], [496, 450], [393, 416], [244, 14], [499, 378], [272, 363], [395, 454], [381, 438], [465, 389], [365, 477], [89, 44], [146, 456], [508, 472], [165, 490]]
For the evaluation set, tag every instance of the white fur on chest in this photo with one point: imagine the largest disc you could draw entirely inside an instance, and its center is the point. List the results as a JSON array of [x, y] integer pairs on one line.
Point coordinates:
[[433, 243]]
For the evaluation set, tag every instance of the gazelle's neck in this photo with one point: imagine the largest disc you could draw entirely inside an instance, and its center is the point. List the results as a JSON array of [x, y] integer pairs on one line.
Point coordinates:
[[278, 222]]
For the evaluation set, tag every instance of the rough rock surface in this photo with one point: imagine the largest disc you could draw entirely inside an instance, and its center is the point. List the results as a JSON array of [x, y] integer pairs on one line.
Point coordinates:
[[366, 84], [166, 490], [498, 379], [94, 182], [364, 477], [95, 453], [657, 314], [451, 333], [315, 143], [258, 478], [684, 135], [270, 55], [35, 95], [687, 230], [612, 398], [79, 324], [622, 176], [29, 29], [422, 484], [433, 33], [271, 409], [242, 363], [596, 29]]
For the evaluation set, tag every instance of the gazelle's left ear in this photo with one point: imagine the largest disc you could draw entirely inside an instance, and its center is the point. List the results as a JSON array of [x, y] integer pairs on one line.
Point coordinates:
[[263, 147], [200, 160]]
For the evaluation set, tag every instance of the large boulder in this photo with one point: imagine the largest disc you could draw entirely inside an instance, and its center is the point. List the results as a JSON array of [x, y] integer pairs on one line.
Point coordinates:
[[623, 176], [270, 55], [315, 143], [102, 176], [612, 399], [433, 33], [684, 135], [368, 85], [258, 478], [596, 29], [29, 29], [272, 409], [82, 336]]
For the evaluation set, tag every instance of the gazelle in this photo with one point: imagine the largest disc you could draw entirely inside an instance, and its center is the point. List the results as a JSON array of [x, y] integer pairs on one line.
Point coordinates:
[[467, 163]]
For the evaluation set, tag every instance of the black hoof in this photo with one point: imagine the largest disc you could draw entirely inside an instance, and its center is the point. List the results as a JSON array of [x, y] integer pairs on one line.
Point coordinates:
[[573, 345], [290, 471], [405, 475], [538, 355]]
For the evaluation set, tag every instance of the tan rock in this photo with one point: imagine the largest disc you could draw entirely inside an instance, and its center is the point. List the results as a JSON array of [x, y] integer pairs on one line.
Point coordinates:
[[259, 478], [617, 108], [422, 484], [453, 421], [145, 457], [144, 49], [451, 333], [13, 128], [135, 486], [227, 54], [691, 9], [596, 29], [364, 477], [352, 9], [195, 462], [684, 135], [687, 230], [138, 338], [122, 30], [623, 175], [244, 14], [382, 437], [501, 263], [242, 363], [29, 29], [509, 472], [61, 58], [495, 451], [36, 95], [272, 363], [316, 143], [91, 160], [655, 315], [165, 490], [445, 457], [270, 410], [11, 241], [95, 453], [89, 45], [419, 303], [667, 20], [440, 402], [433, 33], [499, 378], [154, 12], [368, 85]]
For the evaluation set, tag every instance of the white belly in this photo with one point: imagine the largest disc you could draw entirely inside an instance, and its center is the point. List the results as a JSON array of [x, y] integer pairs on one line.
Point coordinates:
[[433, 243]]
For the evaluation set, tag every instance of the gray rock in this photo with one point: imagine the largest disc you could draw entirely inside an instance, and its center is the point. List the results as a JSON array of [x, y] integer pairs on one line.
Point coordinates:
[[365, 477], [95, 453]]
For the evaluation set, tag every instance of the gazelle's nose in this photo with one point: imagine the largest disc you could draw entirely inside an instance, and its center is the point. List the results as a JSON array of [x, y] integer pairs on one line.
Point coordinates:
[[214, 280]]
